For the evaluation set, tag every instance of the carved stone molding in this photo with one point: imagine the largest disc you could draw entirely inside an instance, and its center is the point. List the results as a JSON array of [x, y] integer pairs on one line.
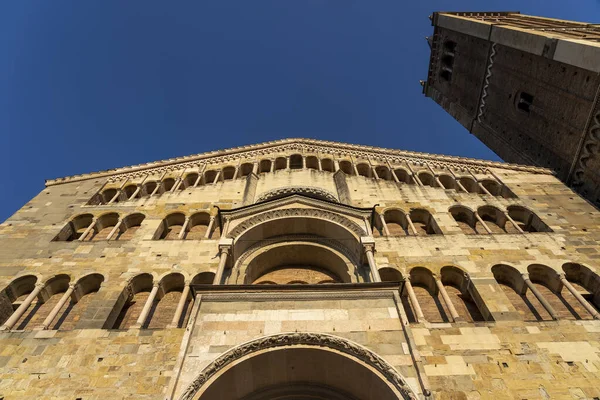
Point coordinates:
[[305, 190], [296, 212], [318, 340], [339, 294]]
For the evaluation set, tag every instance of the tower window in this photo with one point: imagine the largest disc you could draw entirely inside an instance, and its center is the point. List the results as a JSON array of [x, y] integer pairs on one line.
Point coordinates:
[[447, 64], [525, 101]]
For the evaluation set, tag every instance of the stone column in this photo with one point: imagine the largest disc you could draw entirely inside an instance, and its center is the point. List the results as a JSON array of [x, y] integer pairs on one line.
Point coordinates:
[[157, 188], [184, 296], [272, 165], [354, 168], [447, 300], [217, 176], [411, 225], [482, 223], [146, 310], [394, 176], [211, 222], [255, 168], [413, 300], [65, 297], [413, 175], [303, 162], [512, 221], [374, 172], [88, 229], [115, 197], [114, 230], [336, 165], [385, 228], [539, 296], [319, 165], [12, 320], [589, 308], [184, 228], [137, 190], [224, 253], [460, 185], [369, 246]]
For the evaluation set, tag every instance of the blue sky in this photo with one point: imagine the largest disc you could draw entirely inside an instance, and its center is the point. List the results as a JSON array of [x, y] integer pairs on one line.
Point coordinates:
[[87, 86]]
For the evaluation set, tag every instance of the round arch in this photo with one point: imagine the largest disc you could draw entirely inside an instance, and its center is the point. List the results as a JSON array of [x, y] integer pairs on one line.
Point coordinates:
[[300, 362]]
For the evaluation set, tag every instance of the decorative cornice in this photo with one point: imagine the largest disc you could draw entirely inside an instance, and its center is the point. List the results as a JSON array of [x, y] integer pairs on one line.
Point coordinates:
[[305, 190], [297, 296], [262, 150], [317, 340]]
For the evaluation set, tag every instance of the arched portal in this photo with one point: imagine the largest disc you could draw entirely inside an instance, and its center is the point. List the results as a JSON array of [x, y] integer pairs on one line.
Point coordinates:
[[299, 366]]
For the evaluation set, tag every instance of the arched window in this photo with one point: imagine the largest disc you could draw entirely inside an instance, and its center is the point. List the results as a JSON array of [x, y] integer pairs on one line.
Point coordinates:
[[130, 225], [53, 291], [12, 296], [280, 163], [74, 228], [469, 184], [246, 169], [204, 278], [461, 294], [264, 166], [547, 282], [383, 173], [491, 186], [103, 227], [108, 194], [312, 162], [494, 219], [189, 181], [171, 226], [148, 188], [166, 301], [523, 300], [364, 170], [447, 63], [198, 226], [228, 173], [388, 274], [423, 222], [327, 165], [426, 292], [296, 161], [210, 176], [586, 282], [81, 299], [167, 185], [129, 190], [346, 167], [426, 178], [403, 175], [527, 220], [130, 303], [396, 222], [447, 181], [465, 219]]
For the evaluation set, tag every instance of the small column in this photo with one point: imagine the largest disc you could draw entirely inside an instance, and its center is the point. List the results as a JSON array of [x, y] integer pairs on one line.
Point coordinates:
[[413, 300], [415, 177], [319, 165], [336, 165], [479, 183], [354, 168], [146, 310], [224, 250], [115, 197], [512, 221], [412, 226], [65, 297], [157, 188], [217, 176], [185, 293], [460, 185], [287, 163], [272, 165], [255, 168], [12, 320], [88, 229], [303, 162], [139, 188], [385, 228], [114, 230], [482, 223], [198, 179], [579, 297], [209, 227], [176, 185], [184, 228], [369, 246], [442, 290], [539, 296], [374, 173]]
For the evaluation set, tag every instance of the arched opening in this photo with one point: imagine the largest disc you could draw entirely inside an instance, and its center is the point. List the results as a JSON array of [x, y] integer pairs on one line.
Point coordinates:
[[189, 181], [85, 289], [364, 169], [74, 228], [426, 178], [198, 226], [527, 220], [494, 219], [296, 161], [491, 186], [346, 167], [523, 300], [131, 224], [327, 165], [423, 222], [465, 219], [170, 227], [228, 173], [383, 173], [53, 290], [396, 222], [456, 284], [264, 166], [280, 163], [103, 227], [166, 301], [168, 184], [108, 194], [129, 190], [447, 181], [210, 176], [148, 188], [14, 294], [388, 274], [204, 278], [131, 302], [403, 175], [312, 162], [585, 281], [426, 292], [246, 169], [548, 283], [299, 366], [469, 184]]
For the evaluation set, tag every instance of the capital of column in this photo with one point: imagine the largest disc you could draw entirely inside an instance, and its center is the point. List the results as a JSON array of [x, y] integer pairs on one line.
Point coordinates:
[[155, 285], [525, 276]]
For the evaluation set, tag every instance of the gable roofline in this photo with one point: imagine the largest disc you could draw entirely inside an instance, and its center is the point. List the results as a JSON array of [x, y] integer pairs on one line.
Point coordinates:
[[303, 144]]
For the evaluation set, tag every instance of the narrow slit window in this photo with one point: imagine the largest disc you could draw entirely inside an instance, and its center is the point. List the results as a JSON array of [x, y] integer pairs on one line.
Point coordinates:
[[525, 102]]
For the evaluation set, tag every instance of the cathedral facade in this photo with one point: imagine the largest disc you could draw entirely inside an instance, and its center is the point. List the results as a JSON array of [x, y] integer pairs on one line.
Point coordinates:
[[302, 269]]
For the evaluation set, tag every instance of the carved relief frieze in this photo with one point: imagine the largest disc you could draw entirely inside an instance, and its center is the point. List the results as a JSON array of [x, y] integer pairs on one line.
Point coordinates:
[[306, 190]]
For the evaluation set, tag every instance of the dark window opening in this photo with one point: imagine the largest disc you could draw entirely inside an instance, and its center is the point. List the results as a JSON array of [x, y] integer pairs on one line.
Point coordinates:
[[525, 102]]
